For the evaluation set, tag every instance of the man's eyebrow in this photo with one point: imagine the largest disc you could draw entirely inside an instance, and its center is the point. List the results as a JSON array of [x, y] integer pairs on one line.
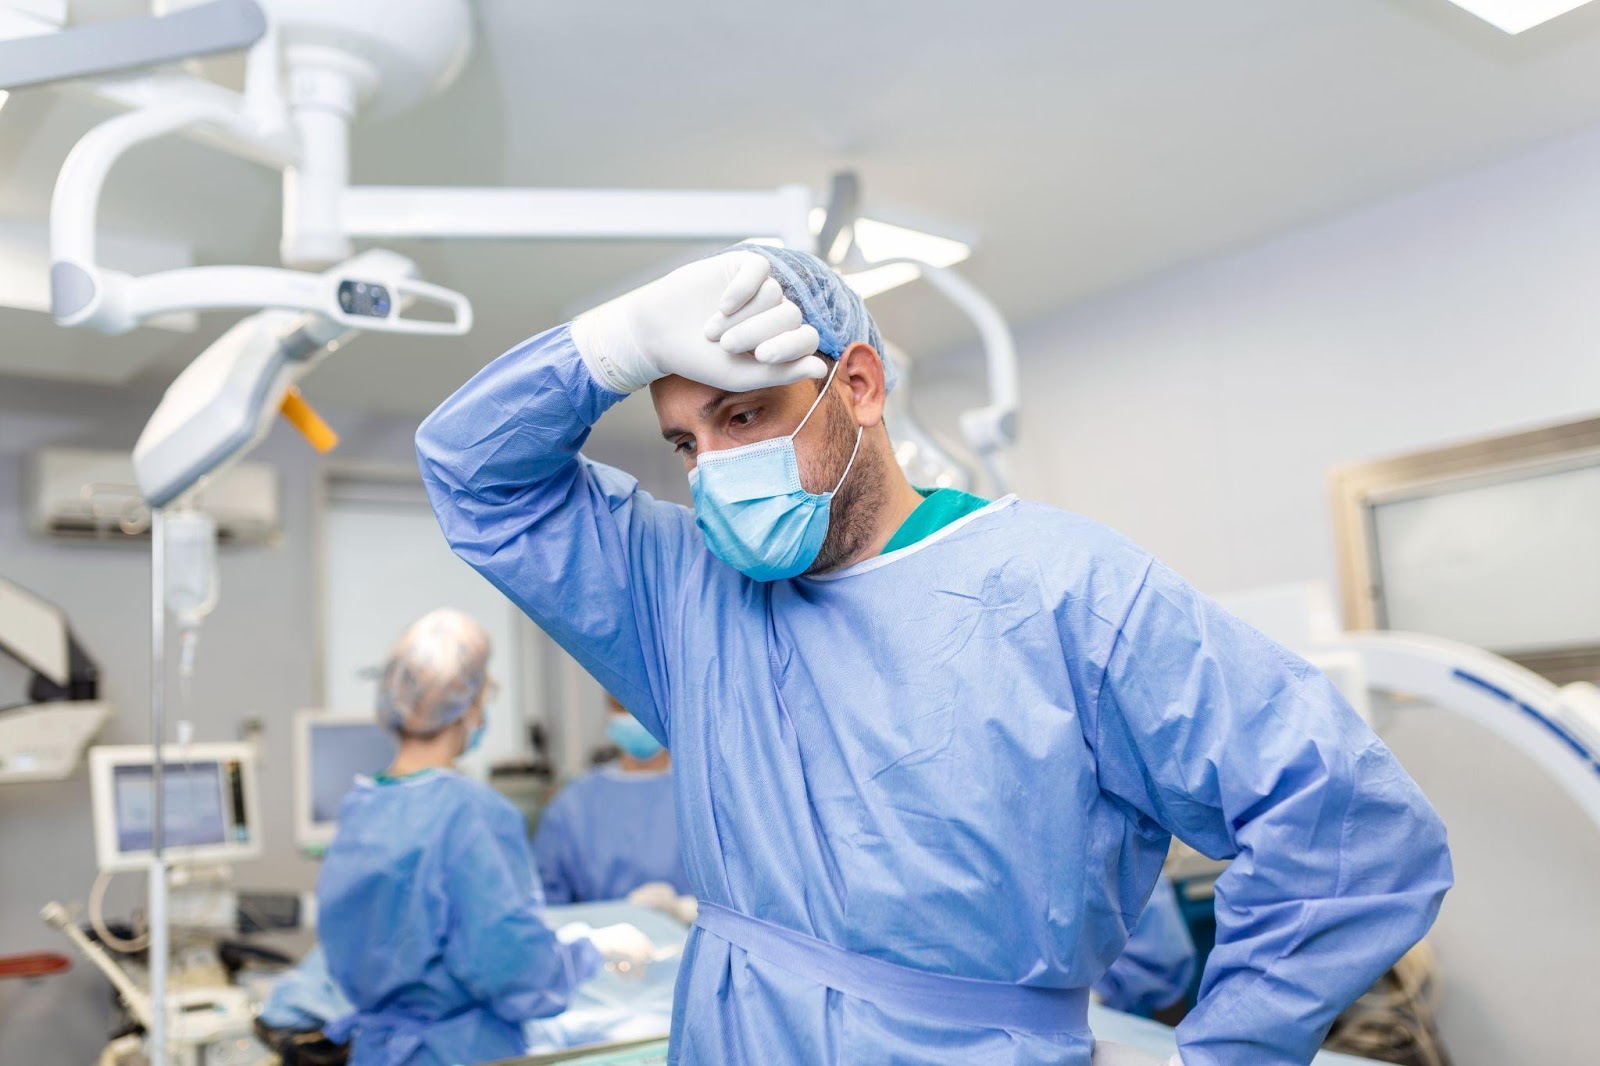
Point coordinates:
[[707, 409]]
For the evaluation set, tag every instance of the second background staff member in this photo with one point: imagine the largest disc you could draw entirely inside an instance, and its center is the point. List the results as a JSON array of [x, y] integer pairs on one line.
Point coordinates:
[[613, 830]]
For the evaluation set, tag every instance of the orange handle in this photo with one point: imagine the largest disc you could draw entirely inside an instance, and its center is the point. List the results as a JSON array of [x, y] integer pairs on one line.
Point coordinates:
[[37, 964], [303, 416]]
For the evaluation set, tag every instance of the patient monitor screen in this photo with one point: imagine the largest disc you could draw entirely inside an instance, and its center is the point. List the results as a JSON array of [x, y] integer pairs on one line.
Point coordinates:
[[195, 814], [339, 753]]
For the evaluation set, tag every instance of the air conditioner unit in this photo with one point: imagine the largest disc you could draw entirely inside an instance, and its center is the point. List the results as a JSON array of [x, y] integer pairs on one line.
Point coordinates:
[[82, 494]]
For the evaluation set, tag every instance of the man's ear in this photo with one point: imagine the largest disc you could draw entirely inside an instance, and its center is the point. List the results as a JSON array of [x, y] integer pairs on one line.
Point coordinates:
[[861, 373]]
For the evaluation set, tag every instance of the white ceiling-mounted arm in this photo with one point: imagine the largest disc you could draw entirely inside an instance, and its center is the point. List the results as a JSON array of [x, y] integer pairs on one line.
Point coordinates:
[[992, 428], [924, 459], [80, 292], [385, 212], [373, 295], [111, 47]]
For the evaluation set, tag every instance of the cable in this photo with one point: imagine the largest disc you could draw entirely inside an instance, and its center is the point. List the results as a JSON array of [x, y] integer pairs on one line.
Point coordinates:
[[97, 899], [1394, 1020]]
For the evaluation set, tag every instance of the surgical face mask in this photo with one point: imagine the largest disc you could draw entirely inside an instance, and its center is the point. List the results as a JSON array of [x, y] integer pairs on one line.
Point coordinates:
[[475, 738], [756, 515], [626, 733]]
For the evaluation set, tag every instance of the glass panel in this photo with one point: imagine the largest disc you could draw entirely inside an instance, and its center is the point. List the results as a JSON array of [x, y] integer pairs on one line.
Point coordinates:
[[1511, 566]]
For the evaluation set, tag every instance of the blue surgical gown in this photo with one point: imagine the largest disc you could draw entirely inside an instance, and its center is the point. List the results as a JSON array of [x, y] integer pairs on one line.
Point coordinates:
[[1157, 963], [428, 911], [606, 834], [965, 757]]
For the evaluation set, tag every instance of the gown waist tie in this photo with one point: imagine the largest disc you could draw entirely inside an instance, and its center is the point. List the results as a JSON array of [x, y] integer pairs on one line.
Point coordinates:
[[940, 997]]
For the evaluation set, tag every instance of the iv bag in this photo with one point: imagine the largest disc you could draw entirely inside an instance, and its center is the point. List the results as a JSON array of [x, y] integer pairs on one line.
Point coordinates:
[[191, 574]]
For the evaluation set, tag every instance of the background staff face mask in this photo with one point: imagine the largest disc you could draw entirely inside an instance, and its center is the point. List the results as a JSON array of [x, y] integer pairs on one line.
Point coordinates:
[[756, 515]]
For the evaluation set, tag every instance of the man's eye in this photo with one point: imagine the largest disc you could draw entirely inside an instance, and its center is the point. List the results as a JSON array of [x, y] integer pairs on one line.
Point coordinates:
[[685, 446], [743, 418]]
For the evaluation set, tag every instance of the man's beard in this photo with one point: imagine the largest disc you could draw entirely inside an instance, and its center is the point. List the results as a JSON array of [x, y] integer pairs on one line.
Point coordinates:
[[850, 521]]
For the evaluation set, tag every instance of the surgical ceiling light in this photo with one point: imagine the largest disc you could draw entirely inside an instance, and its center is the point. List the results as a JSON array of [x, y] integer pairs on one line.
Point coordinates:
[[878, 242], [1514, 16]]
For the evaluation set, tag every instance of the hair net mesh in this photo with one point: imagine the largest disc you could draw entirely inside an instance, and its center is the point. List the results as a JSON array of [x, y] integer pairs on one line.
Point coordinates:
[[434, 673], [828, 305]]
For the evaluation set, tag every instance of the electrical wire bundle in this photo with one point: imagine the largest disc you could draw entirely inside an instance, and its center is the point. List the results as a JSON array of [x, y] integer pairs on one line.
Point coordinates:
[[1394, 1021]]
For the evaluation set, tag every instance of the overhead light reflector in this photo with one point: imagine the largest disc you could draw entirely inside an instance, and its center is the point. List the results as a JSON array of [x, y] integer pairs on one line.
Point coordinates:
[[877, 241], [1514, 16]]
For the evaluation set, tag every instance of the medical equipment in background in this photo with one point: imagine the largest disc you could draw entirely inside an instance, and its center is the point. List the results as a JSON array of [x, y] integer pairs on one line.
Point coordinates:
[[311, 70], [100, 49], [226, 401], [217, 813], [330, 752], [43, 739], [130, 795], [988, 430], [925, 460], [991, 429], [1558, 728], [211, 818], [210, 1026]]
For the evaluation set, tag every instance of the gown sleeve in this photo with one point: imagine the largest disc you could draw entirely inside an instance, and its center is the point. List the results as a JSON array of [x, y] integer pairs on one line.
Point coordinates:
[[598, 563], [498, 946], [1211, 731]]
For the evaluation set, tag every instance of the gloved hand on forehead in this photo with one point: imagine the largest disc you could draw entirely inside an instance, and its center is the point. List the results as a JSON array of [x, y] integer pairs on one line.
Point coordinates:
[[722, 321], [827, 303]]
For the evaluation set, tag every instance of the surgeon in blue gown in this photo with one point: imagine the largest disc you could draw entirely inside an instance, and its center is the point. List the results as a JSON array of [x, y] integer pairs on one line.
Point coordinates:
[[614, 830], [1153, 973], [429, 913], [929, 750]]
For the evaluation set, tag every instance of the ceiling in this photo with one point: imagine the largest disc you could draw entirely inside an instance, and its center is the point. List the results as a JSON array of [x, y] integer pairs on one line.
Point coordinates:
[[1087, 145]]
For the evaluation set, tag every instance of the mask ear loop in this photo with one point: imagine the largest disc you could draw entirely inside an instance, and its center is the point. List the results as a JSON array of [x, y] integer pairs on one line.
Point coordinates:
[[826, 385], [851, 463]]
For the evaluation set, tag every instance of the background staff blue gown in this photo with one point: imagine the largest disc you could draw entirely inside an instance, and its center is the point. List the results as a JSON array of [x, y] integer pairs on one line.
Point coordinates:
[[606, 834], [964, 757], [428, 914], [1157, 963]]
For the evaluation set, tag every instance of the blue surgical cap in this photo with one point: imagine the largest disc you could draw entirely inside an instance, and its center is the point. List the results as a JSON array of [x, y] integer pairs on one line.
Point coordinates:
[[827, 304]]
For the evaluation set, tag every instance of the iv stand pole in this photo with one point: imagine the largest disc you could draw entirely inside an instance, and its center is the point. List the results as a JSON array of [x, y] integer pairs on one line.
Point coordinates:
[[158, 868]]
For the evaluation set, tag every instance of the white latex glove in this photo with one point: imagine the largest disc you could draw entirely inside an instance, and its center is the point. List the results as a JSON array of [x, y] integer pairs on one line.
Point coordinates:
[[723, 321], [625, 948], [663, 897]]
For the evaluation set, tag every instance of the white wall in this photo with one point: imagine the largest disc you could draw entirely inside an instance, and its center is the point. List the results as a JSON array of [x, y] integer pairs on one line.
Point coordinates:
[[1200, 414]]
